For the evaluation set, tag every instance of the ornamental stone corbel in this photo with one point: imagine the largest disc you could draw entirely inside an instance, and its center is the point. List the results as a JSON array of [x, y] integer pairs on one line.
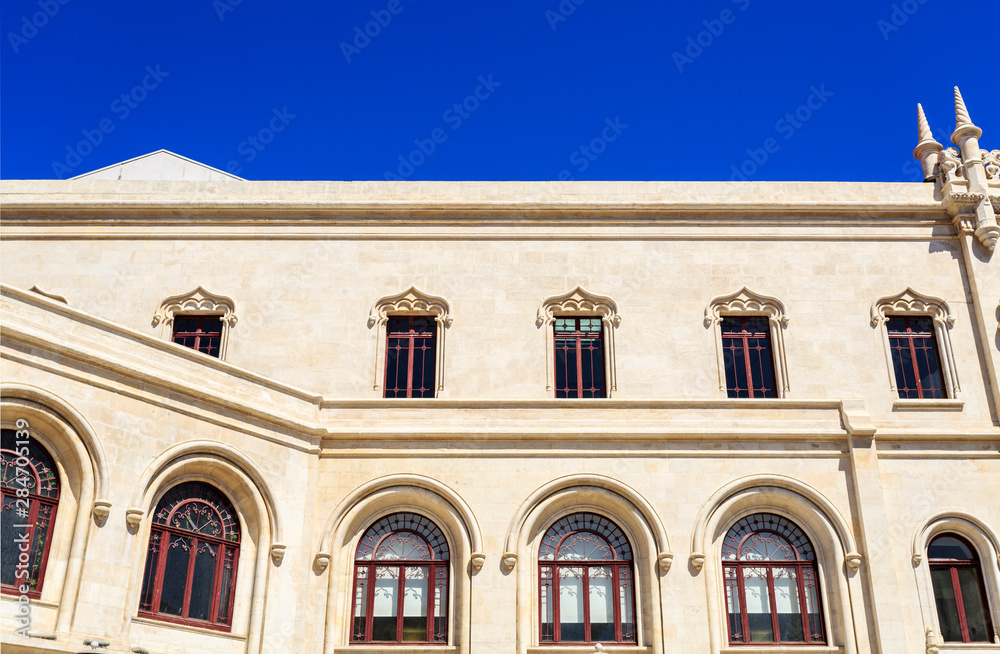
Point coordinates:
[[853, 561], [697, 560], [133, 518], [665, 559], [478, 559], [917, 558], [322, 560], [278, 552], [932, 641], [509, 560], [101, 509]]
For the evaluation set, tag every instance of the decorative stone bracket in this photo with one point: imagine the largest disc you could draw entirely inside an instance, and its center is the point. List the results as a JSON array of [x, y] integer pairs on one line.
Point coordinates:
[[697, 560], [278, 552], [101, 509], [322, 560], [478, 559], [665, 559], [133, 518], [853, 561], [509, 560]]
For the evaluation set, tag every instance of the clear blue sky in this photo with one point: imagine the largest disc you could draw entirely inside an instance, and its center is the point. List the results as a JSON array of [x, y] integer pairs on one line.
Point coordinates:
[[578, 89]]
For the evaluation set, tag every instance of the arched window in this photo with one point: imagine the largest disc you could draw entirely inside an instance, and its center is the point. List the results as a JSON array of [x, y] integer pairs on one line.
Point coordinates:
[[194, 547], [959, 593], [772, 590], [30, 488], [586, 589], [401, 582]]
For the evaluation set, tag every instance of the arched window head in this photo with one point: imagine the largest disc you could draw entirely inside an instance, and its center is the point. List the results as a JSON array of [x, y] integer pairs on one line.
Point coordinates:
[[586, 582], [959, 592], [194, 547], [401, 582], [772, 589], [30, 489]]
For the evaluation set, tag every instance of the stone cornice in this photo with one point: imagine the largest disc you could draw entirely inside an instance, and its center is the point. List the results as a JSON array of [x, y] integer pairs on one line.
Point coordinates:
[[76, 201]]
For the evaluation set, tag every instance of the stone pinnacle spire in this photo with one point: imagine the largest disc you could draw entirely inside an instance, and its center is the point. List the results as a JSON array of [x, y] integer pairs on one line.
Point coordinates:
[[923, 128], [961, 113]]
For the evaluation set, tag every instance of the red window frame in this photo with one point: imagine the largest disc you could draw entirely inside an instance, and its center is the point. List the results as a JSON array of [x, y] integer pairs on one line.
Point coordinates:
[[205, 337], [806, 575], [411, 338], [189, 496], [953, 566], [426, 538], [912, 343], [570, 363], [40, 474], [746, 348], [622, 577]]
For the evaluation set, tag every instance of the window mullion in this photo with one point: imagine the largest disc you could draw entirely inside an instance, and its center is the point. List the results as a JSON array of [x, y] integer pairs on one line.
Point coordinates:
[[556, 608], [744, 614], [579, 365], [803, 604], [190, 576], [586, 603], [963, 623], [161, 564], [616, 602], [409, 364], [773, 603], [400, 593]]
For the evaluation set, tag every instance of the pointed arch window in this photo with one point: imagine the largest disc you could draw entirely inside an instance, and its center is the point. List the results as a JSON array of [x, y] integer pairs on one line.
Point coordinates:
[[29, 483], [194, 547], [959, 592], [401, 583], [410, 332], [772, 587], [586, 582]]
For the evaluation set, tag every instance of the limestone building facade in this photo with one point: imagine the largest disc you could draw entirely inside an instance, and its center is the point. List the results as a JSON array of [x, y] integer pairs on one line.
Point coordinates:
[[502, 418]]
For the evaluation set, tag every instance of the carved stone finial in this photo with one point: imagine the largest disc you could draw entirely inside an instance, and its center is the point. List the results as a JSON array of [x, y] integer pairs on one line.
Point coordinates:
[[961, 112], [478, 559], [101, 509], [697, 560], [665, 559], [509, 560], [923, 127], [133, 517], [853, 561], [278, 552], [322, 560], [932, 642]]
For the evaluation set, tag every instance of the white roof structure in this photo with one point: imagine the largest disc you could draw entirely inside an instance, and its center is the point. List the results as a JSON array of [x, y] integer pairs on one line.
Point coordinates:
[[161, 165]]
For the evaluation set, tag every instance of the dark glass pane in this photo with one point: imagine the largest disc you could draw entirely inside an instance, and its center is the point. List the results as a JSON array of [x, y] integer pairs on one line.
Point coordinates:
[[175, 575], [185, 324], [360, 603], [423, 368], [902, 366], [203, 581], [927, 365], [152, 559], [8, 552], [975, 606], [754, 356], [733, 605], [767, 383], [946, 547], [788, 604], [734, 356], [225, 585], [546, 599], [392, 358], [210, 345], [565, 364], [947, 608]]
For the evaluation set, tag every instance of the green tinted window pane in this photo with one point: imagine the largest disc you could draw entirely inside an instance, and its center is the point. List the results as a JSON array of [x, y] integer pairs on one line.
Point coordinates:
[[975, 608]]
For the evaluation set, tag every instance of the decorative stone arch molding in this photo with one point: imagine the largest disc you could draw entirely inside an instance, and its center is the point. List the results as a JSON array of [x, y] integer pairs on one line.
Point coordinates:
[[84, 479], [912, 303], [375, 499], [607, 497], [241, 481], [837, 558], [411, 302], [746, 302], [580, 302], [199, 302], [987, 545]]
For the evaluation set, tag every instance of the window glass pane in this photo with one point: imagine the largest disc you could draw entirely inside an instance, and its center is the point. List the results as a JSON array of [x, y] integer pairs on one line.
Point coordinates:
[[626, 605], [602, 607], [441, 605], [547, 605], [927, 366], [571, 604], [902, 366], [565, 364], [225, 585], [385, 605], [946, 547], [947, 608], [786, 601], [734, 357], [975, 608], [563, 325], [360, 602], [423, 368], [148, 581], [757, 600], [415, 604], [8, 552], [733, 605], [175, 575], [394, 357], [812, 604], [200, 606]]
